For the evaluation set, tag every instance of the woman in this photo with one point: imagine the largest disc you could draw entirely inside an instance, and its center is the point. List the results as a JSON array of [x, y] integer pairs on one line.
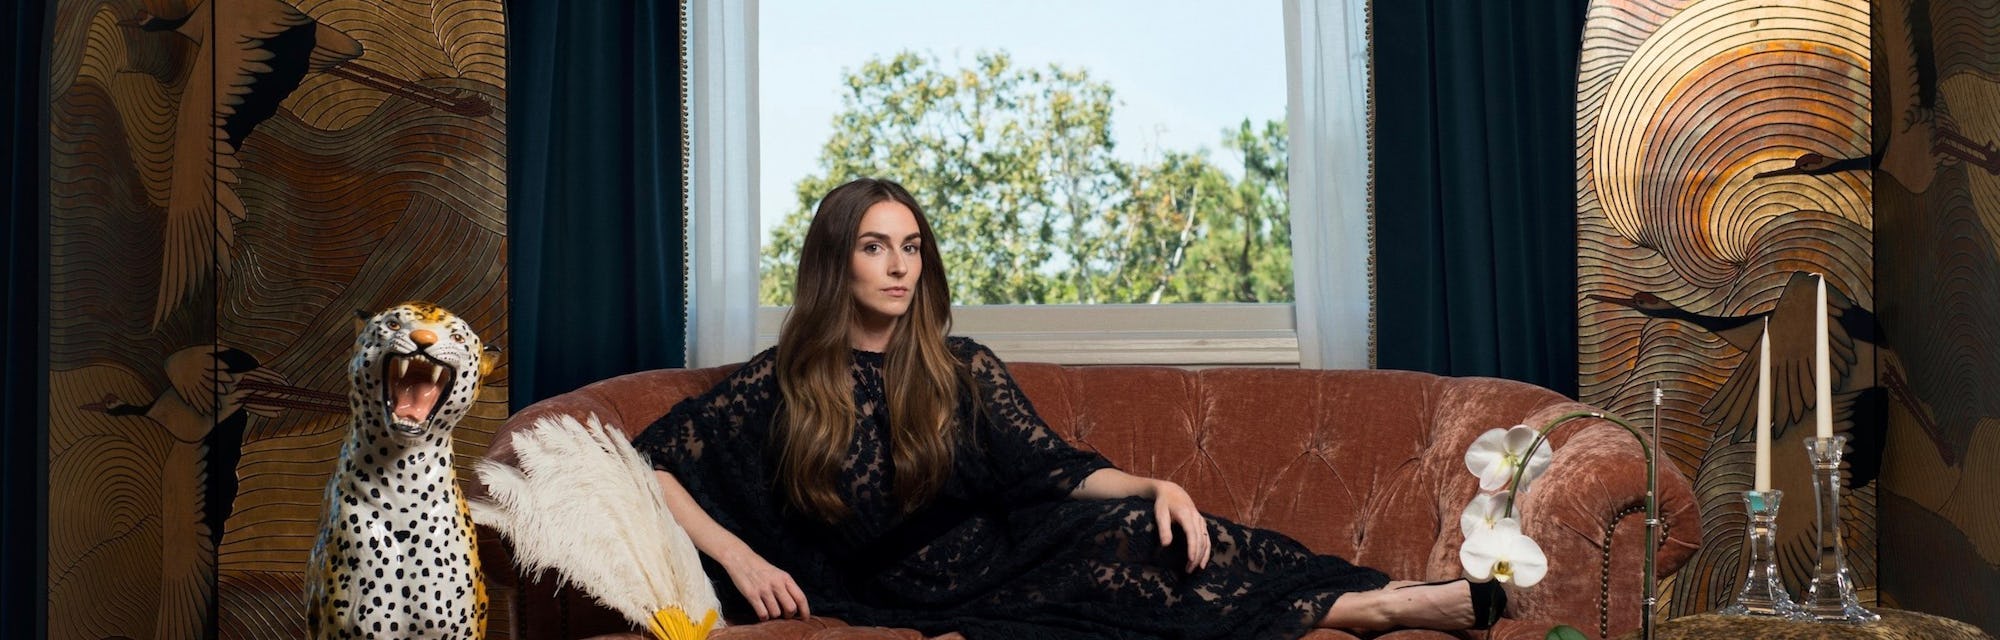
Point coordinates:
[[872, 469]]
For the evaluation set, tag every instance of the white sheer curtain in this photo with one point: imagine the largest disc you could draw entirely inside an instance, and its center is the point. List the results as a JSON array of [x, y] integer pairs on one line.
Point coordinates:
[[722, 222], [1326, 50]]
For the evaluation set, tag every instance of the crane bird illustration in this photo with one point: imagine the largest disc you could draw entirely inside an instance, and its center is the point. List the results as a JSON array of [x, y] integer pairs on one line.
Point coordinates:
[[259, 51], [1732, 409], [1909, 150], [1921, 142], [213, 391], [1858, 401]]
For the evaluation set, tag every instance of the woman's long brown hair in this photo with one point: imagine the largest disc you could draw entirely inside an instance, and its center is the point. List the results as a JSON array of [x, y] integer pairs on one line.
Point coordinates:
[[921, 376]]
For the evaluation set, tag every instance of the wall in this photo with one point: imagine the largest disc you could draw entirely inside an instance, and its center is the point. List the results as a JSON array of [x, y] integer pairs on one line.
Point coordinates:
[[225, 195]]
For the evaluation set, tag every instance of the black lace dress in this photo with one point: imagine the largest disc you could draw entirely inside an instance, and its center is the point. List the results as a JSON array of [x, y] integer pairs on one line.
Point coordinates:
[[1001, 552]]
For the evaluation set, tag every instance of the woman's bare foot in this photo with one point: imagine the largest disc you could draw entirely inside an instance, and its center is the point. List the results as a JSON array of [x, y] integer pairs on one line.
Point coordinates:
[[1404, 604], [1445, 607]]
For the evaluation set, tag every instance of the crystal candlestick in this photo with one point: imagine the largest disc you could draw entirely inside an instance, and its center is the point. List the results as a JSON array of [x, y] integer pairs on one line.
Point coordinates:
[[1763, 591], [1831, 598]]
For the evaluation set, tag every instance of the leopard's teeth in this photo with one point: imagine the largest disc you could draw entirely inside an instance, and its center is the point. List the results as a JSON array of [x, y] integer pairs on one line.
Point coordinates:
[[436, 372], [402, 366]]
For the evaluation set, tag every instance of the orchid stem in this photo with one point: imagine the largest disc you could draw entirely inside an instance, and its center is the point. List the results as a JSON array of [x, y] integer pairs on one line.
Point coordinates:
[[1652, 491]]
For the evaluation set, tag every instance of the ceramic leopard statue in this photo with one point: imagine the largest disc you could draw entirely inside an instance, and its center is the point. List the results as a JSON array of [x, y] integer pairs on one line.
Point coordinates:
[[395, 556]]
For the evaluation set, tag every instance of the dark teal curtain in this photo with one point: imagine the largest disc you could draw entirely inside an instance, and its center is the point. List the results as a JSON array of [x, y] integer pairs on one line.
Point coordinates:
[[594, 192], [23, 365], [1475, 187]]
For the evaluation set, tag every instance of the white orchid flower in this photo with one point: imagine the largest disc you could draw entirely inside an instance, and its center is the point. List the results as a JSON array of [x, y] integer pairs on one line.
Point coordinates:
[[1485, 511], [1498, 452], [1503, 553]]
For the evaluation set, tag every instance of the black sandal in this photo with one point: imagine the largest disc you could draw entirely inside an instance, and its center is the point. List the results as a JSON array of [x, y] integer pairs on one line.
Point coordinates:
[[1489, 601]]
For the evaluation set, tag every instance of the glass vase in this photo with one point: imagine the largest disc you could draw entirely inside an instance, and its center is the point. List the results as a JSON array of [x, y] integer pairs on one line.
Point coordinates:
[[1763, 592], [1830, 597]]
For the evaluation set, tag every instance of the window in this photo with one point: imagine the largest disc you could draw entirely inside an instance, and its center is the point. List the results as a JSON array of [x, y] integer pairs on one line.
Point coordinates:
[[1065, 159], [1108, 185]]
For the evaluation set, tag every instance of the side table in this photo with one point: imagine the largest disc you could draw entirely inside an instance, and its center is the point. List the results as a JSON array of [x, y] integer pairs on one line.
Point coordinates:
[[1896, 624]]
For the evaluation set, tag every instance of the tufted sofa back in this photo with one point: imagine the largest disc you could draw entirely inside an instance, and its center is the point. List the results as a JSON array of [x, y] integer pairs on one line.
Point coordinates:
[[1367, 464]]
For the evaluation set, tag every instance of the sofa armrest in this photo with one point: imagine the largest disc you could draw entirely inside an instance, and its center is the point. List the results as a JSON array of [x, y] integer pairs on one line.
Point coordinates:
[[541, 606], [1593, 496]]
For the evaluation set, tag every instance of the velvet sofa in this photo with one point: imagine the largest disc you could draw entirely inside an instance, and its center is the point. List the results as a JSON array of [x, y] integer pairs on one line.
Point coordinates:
[[1364, 464]]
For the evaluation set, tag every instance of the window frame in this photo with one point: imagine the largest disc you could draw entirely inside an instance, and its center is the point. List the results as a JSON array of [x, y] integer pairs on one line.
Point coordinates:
[[1185, 334]]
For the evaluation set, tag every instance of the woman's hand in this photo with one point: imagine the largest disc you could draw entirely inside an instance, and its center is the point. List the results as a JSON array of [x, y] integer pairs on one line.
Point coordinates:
[[769, 589], [1171, 504]]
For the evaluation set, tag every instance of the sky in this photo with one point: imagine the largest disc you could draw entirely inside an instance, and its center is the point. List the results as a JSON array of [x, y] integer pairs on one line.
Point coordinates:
[[1183, 70]]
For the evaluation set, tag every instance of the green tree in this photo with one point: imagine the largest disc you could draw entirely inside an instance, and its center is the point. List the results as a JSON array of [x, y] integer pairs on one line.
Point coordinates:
[[1015, 168], [1245, 252]]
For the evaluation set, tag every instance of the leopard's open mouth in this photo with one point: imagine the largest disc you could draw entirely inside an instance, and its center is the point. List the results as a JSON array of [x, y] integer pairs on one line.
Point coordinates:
[[417, 384]]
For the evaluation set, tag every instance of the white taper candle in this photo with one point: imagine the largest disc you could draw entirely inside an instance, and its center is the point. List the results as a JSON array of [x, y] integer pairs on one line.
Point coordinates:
[[1763, 482], [1822, 367]]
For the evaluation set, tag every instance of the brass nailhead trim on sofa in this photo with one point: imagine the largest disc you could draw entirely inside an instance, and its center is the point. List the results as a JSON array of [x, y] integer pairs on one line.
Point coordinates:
[[1604, 574]]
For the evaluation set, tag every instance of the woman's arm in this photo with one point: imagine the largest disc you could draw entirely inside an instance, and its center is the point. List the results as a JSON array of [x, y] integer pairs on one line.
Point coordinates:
[[1046, 467], [1171, 505], [1110, 484], [698, 438], [708, 536], [771, 591]]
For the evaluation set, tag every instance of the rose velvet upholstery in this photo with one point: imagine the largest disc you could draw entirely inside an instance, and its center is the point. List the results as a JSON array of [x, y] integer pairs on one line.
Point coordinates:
[[1367, 464]]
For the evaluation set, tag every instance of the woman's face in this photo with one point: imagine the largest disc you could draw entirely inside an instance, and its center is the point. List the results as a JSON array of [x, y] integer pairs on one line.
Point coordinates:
[[886, 263]]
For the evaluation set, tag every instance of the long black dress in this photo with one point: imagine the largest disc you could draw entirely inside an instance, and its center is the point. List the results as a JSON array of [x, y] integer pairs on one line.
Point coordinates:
[[1001, 552]]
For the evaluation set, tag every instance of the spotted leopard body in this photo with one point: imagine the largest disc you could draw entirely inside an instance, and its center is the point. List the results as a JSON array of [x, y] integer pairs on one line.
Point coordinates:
[[396, 555]]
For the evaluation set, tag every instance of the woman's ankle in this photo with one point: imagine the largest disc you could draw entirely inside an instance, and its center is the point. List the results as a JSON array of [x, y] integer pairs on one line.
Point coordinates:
[[1362, 611], [1444, 607]]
